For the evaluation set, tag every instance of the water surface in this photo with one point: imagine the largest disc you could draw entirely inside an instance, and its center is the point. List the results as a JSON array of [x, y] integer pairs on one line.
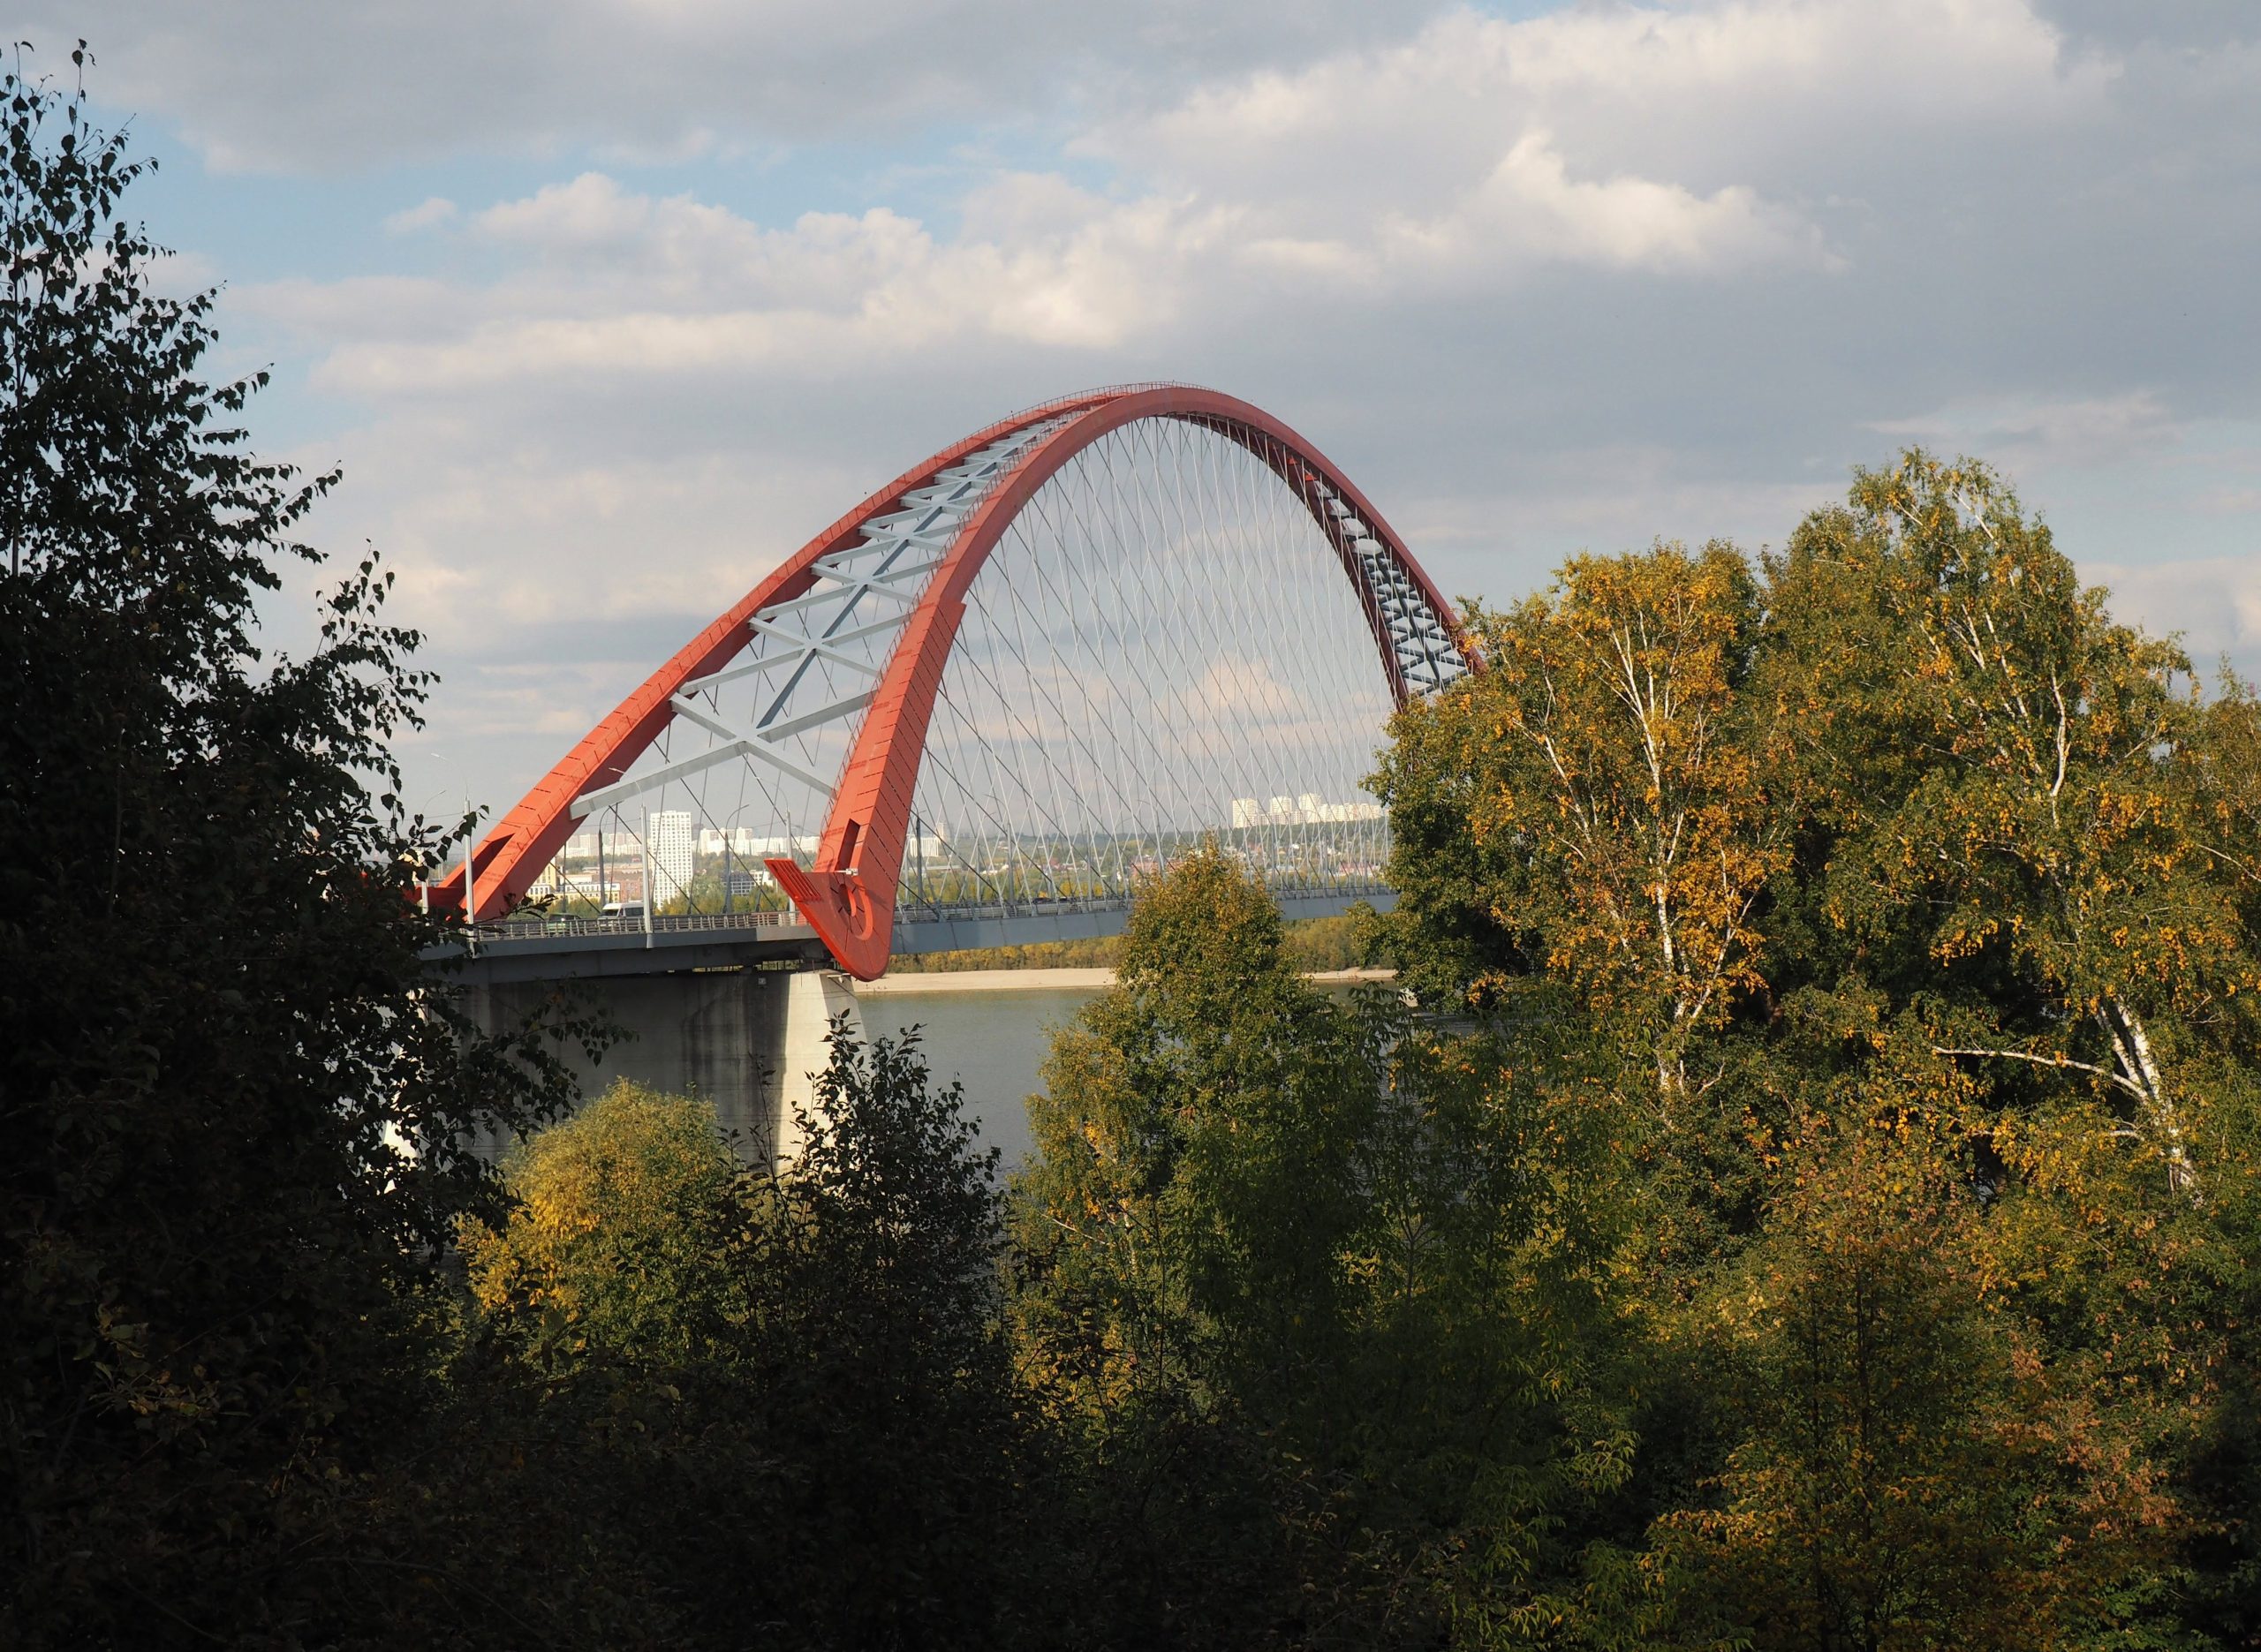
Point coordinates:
[[993, 1042]]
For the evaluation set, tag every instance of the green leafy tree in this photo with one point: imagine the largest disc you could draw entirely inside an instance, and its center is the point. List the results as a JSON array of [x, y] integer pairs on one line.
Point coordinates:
[[233, 1092], [1132, 1255], [1908, 1468], [2032, 855], [1604, 794], [895, 1362], [620, 1231], [703, 1399], [2028, 830], [1302, 1292], [1978, 874]]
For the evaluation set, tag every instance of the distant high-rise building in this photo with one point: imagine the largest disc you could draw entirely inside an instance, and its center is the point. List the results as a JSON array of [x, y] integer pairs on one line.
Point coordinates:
[[1308, 809], [671, 841], [738, 842]]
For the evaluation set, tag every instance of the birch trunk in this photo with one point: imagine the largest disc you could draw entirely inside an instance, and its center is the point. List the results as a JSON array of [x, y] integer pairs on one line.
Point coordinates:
[[2162, 1117]]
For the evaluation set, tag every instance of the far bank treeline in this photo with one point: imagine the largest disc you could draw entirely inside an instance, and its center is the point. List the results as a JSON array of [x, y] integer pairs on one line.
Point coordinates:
[[1809, 1205]]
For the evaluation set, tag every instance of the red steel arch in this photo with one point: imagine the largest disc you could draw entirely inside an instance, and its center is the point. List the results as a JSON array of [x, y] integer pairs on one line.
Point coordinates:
[[848, 895]]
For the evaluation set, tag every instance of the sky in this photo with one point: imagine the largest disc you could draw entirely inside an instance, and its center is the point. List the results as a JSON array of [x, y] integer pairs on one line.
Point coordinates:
[[604, 306]]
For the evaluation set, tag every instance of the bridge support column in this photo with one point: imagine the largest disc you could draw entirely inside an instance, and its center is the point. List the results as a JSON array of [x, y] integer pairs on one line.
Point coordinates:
[[812, 999], [750, 1041]]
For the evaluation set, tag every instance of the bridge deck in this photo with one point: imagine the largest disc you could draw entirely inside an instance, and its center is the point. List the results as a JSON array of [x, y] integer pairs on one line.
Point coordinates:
[[566, 948]]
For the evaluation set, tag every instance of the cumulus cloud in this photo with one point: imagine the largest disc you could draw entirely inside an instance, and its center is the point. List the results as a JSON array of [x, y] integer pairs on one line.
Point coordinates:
[[1545, 282], [429, 213], [2213, 603], [1474, 152], [1703, 96], [614, 283], [1529, 210], [272, 86]]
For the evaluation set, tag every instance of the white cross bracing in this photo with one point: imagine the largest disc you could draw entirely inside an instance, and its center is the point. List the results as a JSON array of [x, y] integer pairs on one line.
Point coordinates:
[[894, 555], [1426, 653]]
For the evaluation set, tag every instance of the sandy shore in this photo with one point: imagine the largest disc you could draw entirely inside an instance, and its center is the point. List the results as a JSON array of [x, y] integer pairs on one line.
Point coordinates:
[[1049, 980], [990, 981]]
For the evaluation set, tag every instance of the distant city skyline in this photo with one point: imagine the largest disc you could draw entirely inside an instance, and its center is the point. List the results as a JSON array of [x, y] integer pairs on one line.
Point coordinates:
[[594, 352]]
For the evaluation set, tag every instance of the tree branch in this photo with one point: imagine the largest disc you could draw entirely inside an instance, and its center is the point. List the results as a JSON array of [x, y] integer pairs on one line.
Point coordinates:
[[2124, 1083]]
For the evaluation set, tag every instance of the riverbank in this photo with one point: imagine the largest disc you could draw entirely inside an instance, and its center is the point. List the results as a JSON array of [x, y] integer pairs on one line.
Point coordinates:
[[1052, 981]]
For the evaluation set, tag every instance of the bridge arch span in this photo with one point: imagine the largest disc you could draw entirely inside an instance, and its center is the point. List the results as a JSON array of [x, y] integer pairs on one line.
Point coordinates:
[[866, 619]]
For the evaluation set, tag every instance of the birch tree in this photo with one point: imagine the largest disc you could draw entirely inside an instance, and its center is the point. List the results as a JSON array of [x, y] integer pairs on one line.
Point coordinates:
[[1617, 812], [2016, 789]]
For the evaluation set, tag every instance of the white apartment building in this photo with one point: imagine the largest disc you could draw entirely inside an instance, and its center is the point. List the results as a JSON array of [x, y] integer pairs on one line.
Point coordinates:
[[1309, 809], [744, 844], [670, 834]]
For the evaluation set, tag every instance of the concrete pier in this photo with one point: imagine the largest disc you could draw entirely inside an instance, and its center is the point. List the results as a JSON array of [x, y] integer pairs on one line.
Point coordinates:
[[748, 1040]]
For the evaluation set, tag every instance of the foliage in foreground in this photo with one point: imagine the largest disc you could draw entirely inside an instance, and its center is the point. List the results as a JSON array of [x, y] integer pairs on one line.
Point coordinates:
[[1917, 897], [1307, 1296], [738, 1400], [219, 1258]]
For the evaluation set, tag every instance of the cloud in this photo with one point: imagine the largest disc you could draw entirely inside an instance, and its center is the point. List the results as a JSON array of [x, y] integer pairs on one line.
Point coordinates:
[[430, 213], [2201, 24], [612, 281], [271, 86], [1539, 284], [1700, 94], [2213, 603], [1529, 210], [2028, 435], [1465, 159], [618, 283]]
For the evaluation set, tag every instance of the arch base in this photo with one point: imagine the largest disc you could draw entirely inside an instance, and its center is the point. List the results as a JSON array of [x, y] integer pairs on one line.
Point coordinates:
[[857, 926]]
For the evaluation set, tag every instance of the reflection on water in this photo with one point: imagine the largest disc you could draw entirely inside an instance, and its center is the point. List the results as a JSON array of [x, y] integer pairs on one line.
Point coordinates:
[[992, 1042]]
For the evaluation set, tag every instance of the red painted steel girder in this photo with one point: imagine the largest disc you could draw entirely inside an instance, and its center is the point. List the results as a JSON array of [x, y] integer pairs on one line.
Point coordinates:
[[848, 895]]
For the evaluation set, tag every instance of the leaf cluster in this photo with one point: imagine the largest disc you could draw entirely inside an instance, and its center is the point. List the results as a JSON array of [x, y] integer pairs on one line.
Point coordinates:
[[234, 1095], [1949, 1023]]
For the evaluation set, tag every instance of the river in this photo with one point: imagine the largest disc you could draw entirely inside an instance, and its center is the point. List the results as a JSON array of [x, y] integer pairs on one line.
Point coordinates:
[[992, 1029], [990, 1037]]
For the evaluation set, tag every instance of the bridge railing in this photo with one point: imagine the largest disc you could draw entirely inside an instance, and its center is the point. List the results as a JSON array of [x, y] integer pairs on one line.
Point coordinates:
[[911, 913], [664, 922], [909, 910]]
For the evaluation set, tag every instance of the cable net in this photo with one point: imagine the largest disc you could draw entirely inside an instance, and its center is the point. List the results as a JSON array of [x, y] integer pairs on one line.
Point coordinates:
[[1163, 647]]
